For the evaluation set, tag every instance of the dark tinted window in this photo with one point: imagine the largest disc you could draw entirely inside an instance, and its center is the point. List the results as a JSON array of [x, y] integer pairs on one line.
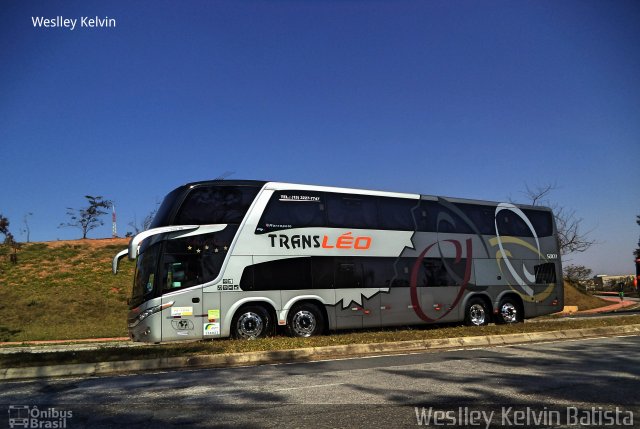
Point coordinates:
[[283, 274], [509, 223], [144, 281], [322, 269], [401, 268], [478, 217], [441, 272], [292, 209], [348, 273], [165, 211], [398, 213], [194, 260], [352, 211], [216, 204], [327, 273], [542, 222], [444, 217], [378, 272]]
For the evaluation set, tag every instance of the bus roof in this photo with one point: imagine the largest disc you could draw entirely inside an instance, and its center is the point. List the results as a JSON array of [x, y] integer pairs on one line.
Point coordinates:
[[324, 188]]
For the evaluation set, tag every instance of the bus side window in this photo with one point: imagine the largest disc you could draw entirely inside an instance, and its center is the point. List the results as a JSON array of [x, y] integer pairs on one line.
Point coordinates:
[[397, 214], [352, 211], [322, 272], [541, 221], [292, 209], [216, 204], [401, 272], [348, 274]]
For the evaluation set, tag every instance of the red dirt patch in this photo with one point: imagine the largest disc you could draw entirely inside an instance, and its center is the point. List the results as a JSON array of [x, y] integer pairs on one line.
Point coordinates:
[[93, 243]]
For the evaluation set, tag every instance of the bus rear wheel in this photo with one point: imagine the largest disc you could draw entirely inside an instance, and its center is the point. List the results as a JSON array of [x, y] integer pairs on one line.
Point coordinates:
[[476, 313], [509, 311], [251, 322], [305, 320]]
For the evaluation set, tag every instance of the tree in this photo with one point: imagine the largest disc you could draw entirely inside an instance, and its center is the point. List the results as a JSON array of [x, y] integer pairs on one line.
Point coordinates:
[[146, 222], [144, 225], [579, 275], [570, 234], [4, 230], [88, 218], [26, 229]]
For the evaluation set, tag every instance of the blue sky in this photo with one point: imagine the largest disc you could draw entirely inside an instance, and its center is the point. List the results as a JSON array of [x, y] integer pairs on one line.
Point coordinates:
[[458, 98]]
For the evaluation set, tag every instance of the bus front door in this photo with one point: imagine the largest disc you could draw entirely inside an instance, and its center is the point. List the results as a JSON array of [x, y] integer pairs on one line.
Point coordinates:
[[184, 319]]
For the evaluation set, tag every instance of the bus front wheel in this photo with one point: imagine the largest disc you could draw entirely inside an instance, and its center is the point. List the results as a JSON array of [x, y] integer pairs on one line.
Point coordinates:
[[251, 322], [305, 320]]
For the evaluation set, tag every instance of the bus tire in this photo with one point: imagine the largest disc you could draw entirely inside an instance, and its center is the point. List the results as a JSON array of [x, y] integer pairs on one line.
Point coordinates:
[[251, 322], [509, 311], [305, 320], [476, 313]]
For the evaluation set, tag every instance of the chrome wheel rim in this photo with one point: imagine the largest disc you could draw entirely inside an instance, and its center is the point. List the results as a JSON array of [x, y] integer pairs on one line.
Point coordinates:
[[250, 325], [303, 323], [509, 312], [476, 314]]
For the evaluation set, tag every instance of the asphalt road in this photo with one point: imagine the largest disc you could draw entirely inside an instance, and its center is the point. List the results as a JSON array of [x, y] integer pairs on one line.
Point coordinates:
[[588, 376]]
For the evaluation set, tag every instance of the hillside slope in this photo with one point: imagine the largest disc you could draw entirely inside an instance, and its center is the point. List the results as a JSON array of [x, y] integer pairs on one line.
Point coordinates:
[[64, 290], [573, 296]]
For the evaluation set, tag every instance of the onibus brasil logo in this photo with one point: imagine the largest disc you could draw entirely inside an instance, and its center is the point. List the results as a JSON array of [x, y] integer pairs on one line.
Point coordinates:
[[25, 416]]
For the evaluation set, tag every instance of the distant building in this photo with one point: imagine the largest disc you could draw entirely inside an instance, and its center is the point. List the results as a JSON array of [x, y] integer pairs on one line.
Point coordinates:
[[605, 281]]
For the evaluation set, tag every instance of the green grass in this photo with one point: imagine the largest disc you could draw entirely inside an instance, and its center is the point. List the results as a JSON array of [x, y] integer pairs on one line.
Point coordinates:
[[284, 343], [64, 291]]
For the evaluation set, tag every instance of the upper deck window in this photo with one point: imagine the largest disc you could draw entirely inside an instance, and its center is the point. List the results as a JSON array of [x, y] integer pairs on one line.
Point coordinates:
[[216, 204], [352, 211], [293, 209]]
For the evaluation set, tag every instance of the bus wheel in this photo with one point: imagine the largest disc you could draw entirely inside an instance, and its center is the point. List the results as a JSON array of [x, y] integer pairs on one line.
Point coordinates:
[[251, 322], [305, 320], [509, 311], [476, 313]]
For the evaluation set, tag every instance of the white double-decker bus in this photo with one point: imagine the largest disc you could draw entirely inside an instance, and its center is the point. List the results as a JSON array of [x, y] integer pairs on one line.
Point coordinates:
[[245, 258]]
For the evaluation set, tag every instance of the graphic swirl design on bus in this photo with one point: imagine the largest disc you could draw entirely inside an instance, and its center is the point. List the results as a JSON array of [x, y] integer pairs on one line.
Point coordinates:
[[519, 281]]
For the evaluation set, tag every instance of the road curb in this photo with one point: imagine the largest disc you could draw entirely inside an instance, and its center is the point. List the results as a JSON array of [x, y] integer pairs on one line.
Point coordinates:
[[307, 354]]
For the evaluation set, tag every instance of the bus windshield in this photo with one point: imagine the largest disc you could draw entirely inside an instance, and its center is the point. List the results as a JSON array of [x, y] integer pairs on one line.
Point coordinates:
[[144, 279], [180, 263]]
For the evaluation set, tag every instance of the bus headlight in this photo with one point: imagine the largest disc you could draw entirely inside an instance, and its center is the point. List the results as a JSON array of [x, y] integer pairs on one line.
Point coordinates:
[[148, 312]]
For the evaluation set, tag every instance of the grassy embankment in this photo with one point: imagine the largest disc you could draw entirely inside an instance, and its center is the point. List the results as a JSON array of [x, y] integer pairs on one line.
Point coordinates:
[[573, 296], [65, 290]]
